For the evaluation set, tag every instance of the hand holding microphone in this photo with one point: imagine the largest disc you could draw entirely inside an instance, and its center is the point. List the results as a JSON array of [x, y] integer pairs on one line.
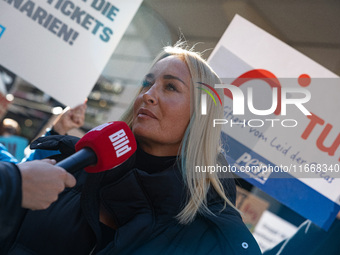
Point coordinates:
[[42, 182], [102, 148]]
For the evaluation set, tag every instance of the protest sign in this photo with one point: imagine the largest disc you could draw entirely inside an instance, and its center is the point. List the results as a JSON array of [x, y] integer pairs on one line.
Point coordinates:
[[281, 126], [62, 46]]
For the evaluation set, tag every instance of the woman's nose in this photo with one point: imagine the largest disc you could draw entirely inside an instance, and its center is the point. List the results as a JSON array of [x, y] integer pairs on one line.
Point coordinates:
[[151, 96]]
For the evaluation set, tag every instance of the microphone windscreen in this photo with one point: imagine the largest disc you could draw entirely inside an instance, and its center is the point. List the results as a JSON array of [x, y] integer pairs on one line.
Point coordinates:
[[112, 142]]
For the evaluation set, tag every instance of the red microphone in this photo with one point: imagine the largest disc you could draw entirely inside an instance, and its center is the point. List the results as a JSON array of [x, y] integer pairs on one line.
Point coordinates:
[[102, 148]]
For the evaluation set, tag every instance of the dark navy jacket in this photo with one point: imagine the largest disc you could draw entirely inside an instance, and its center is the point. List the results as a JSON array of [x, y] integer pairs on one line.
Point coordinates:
[[10, 201], [143, 202]]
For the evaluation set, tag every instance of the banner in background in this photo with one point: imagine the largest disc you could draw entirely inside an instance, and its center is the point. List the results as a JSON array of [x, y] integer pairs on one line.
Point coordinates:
[[289, 154], [62, 47]]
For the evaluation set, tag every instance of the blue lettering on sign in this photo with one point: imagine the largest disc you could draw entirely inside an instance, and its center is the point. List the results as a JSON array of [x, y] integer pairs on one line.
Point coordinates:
[[2, 30], [289, 191]]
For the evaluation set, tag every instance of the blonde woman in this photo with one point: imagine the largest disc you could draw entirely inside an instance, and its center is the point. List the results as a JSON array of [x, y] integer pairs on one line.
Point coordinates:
[[156, 203]]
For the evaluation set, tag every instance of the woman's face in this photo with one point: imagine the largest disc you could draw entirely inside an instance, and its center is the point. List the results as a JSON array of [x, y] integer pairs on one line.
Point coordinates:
[[162, 110]]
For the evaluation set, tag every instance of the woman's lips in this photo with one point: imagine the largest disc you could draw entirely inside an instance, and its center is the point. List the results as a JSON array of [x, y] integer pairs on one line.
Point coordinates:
[[146, 112]]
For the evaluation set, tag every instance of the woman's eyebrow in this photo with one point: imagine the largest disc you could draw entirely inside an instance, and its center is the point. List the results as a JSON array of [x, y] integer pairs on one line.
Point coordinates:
[[169, 76]]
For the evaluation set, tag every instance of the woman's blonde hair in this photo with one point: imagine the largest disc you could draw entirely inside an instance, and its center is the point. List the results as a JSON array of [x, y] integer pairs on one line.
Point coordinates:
[[201, 142]]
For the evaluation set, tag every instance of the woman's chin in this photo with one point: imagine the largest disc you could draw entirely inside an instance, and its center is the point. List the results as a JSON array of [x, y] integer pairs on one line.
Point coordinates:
[[142, 131]]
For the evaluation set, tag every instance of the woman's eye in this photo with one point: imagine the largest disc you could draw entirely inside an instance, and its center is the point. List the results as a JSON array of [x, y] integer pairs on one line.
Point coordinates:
[[171, 87]]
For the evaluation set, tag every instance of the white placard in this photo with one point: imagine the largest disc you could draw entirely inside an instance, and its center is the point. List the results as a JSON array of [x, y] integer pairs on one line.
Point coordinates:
[[62, 46], [293, 141]]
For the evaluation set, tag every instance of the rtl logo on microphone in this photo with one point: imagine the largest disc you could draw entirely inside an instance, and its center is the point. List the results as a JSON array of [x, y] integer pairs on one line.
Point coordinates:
[[120, 142]]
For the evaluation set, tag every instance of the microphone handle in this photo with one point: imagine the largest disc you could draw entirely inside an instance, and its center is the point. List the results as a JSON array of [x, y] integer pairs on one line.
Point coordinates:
[[82, 158]]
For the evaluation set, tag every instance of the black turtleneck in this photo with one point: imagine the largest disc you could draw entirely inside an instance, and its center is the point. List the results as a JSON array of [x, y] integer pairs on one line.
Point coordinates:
[[152, 164]]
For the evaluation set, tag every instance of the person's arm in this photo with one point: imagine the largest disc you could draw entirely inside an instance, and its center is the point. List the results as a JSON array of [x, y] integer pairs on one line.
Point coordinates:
[[32, 185], [11, 211], [68, 120], [10, 193], [42, 182]]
